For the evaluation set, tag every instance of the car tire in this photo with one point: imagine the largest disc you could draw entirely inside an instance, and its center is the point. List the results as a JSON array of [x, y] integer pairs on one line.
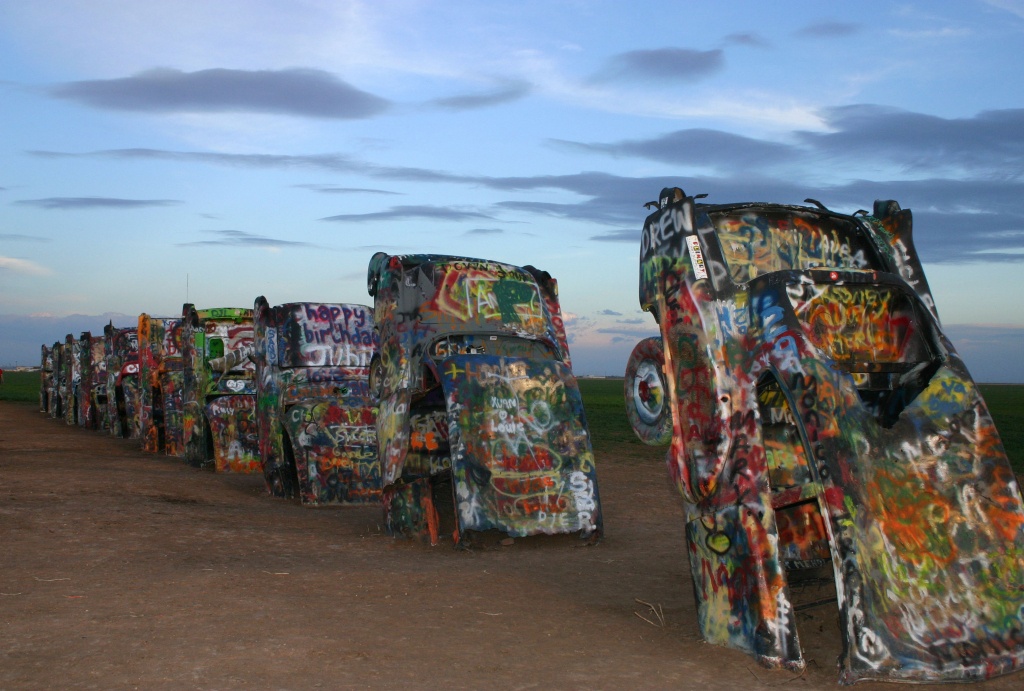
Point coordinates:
[[646, 392], [376, 377]]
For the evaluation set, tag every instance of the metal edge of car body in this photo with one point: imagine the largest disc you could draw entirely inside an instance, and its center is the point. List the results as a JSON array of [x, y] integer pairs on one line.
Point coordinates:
[[900, 464], [453, 428], [315, 415], [218, 392]]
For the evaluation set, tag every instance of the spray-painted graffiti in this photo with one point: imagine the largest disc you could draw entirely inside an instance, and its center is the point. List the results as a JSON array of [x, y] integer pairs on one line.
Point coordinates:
[[219, 421], [121, 352], [60, 379], [46, 379], [91, 396], [521, 456], [160, 385], [646, 393], [821, 420], [480, 420], [233, 438], [316, 417], [71, 378]]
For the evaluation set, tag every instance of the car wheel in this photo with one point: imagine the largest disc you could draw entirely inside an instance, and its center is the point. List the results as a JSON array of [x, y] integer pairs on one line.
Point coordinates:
[[376, 377], [646, 391]]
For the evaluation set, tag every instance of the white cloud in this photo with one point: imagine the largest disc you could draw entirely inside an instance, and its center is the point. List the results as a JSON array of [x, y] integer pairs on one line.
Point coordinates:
[[1012, 6], [23, 266]]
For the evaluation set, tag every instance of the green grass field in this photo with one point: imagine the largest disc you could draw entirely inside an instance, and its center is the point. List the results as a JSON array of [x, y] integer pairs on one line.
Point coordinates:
[[20, 386], [604, 404]]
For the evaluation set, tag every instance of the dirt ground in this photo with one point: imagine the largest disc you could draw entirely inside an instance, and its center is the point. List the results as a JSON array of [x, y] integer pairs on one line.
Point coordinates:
[[124, 570]]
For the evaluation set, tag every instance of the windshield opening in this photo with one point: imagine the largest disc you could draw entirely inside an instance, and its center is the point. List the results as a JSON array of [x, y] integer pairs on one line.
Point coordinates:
[[757, 242]]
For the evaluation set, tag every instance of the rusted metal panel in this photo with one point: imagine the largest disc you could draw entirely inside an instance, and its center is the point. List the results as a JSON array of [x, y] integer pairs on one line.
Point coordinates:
[[817, 404], [480, 414], [315, 414]]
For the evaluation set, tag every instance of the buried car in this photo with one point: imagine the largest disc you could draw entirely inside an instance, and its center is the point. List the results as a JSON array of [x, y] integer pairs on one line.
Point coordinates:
[[91, 392], [121, 352], [71, 375], [315, 415], [219, 391], [160, 385], [46, 379], [481, 419], [821, 420]]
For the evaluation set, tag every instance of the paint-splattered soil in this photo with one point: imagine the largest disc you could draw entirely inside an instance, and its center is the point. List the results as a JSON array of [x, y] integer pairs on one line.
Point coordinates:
[[123, 570]]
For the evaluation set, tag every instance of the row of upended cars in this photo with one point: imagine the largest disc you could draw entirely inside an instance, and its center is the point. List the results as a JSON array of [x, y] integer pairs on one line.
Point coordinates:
[[451, 402], [818, 421]]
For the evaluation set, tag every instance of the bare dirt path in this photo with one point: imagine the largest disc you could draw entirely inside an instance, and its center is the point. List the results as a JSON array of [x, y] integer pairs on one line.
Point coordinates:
[[123, 570]]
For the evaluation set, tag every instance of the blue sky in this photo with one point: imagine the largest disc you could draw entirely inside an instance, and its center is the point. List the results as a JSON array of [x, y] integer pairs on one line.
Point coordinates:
[[216, 151]]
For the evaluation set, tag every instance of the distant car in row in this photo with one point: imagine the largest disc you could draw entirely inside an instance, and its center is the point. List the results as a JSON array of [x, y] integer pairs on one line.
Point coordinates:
[[317, 439], [451, 401], [218, 419]]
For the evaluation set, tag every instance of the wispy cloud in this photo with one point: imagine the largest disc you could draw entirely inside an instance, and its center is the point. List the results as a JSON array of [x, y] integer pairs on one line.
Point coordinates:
[[238, 238], [64, 203], [625, 235], [1015, 7], [485, 231], [18, 237], [678, 64], [829, 30], [988, 145], [433, 213], [694, 147], [968, 208], [610, 313], [334, 162], [334, 189], [299, 92], [746, 39], [506, 92], [23, 266]]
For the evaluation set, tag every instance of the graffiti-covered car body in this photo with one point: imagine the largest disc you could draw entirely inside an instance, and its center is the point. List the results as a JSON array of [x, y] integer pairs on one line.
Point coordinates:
[[479, 409], [91, 395], [315, 415], [71, 376], [121, 351], [219, 393], [55, 400], [46, 379], [160, 384], [821, 418]]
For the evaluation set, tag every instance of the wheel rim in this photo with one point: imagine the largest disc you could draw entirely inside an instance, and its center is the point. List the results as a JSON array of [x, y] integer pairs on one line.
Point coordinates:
[[648, 392]]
